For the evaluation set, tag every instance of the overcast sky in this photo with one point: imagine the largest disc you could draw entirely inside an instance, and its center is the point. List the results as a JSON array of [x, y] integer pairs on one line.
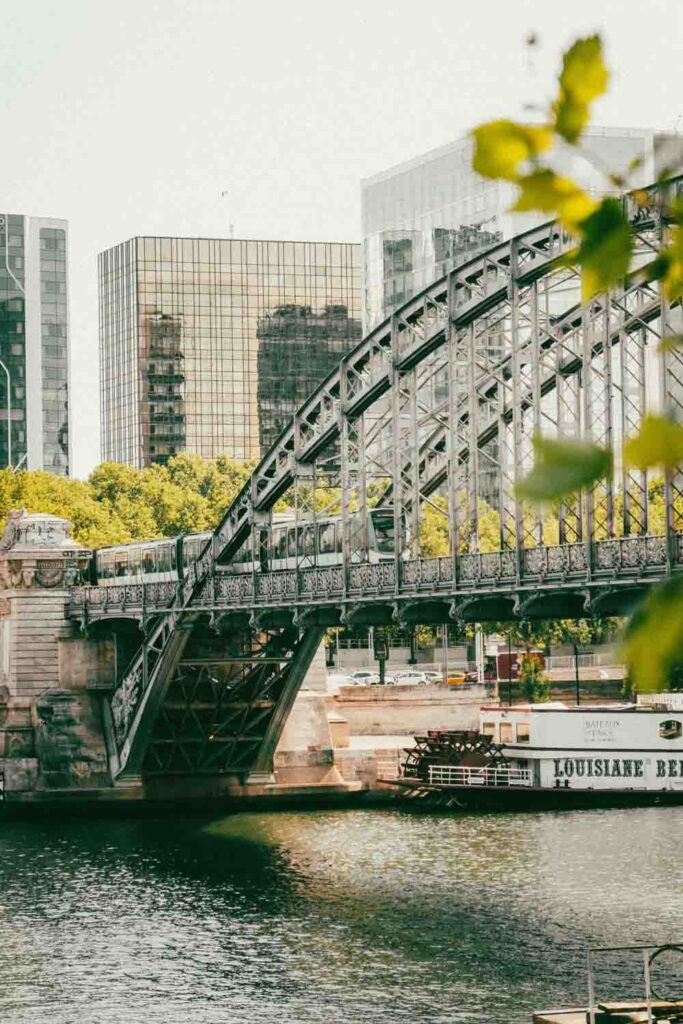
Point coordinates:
[[133, 117]]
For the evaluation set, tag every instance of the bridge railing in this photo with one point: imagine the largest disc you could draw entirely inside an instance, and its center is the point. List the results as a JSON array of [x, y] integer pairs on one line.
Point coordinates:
[[457, 775], [637, 558]]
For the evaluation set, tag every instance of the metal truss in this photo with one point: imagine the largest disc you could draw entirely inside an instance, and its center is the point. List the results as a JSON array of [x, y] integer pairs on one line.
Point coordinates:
[[438, 407], [227, 701]]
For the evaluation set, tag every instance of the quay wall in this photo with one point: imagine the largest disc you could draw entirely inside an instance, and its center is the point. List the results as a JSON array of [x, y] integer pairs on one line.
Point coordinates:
[[406, 710]]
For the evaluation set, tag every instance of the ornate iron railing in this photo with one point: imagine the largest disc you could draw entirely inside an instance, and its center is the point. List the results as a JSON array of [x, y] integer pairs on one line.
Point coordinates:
[[643, 558]]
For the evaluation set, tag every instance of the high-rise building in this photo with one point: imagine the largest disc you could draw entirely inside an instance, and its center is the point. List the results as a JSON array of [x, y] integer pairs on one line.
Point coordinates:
[[423, 216], [209, 345], [34, 343]]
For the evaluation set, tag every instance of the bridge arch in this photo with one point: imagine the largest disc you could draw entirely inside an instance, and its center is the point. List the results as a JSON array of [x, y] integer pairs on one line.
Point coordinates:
[[442, 401]]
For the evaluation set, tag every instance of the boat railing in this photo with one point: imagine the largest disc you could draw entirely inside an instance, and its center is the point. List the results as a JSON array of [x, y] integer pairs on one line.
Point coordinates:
[[462, 775]]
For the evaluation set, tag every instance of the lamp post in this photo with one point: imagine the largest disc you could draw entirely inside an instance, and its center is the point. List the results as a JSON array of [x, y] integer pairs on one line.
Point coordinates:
[[576, 673], [9, 416]]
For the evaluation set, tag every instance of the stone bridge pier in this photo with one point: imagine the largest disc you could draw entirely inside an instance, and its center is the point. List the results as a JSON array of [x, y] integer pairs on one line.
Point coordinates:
[[51, 736], [57, 736]]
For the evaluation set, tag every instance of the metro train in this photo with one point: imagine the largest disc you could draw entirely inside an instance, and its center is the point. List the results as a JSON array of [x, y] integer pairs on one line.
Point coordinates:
[[310, 544]]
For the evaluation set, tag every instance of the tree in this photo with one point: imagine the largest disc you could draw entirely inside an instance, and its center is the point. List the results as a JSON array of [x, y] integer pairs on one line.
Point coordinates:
[[118, 503], [533, 680]]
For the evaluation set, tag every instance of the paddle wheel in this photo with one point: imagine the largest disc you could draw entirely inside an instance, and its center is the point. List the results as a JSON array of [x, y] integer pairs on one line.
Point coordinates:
[[454, 748]]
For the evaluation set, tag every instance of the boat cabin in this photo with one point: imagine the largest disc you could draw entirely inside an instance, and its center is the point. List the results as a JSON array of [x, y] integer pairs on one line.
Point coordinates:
[[609, 746]]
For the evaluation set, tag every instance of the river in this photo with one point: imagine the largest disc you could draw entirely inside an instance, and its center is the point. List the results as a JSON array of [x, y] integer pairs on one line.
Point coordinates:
[[328, 916]]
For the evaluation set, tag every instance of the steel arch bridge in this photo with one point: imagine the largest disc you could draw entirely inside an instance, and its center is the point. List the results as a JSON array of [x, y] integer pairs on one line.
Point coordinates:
[[432, 414]]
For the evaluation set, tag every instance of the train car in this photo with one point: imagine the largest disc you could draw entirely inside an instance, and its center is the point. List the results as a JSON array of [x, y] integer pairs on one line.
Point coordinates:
[[316, 543], [151, 561], [319, 543]]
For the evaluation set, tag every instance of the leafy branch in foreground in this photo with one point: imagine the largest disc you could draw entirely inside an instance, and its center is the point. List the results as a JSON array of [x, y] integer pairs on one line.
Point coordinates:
[[564, 467], [603, 255], [512, 151]]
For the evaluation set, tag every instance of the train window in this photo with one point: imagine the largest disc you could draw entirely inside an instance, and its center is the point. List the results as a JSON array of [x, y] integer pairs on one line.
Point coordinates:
[[135, 561], [121, 564], [300, 541], [309, 540], [174, 561], [148, 560], [326, 533], [384, 531], [164, 558], [291, 542], [107, 567], [281, 544], [339, 532]]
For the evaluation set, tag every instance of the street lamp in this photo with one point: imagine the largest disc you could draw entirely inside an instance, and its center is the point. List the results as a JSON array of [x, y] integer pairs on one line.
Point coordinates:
[[9, 416]]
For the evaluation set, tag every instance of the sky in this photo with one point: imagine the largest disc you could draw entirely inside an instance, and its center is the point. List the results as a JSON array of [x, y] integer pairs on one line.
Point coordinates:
[[134, 117]]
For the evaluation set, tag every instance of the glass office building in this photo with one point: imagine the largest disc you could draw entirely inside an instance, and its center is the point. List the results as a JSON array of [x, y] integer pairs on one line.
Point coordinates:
[[34, 344], [424, 216], [209, 345]]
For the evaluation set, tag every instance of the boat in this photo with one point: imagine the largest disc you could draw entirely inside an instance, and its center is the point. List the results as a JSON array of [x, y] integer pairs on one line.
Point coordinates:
[[651, 972], [529, 756]]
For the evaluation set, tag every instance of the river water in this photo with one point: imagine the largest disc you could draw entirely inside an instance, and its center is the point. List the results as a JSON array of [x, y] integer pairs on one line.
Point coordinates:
[[329, 916]]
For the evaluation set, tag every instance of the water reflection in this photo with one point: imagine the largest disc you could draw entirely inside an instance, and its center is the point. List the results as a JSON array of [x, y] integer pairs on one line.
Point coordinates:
[[328, 916]]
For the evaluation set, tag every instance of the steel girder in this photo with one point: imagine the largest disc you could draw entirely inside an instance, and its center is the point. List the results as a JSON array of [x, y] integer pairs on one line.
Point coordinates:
[[452, 387]]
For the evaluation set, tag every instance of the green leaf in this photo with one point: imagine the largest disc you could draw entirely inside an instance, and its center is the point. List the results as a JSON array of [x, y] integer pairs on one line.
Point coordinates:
[[604, 254], [659, 442], [584, 77], [672, 257], [500, 146], [546, 191], [563, 468], [670, 343], [654, 637]]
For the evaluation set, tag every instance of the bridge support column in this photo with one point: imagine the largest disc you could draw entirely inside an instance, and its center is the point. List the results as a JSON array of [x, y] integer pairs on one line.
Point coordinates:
[[51, 734], [305, 752]]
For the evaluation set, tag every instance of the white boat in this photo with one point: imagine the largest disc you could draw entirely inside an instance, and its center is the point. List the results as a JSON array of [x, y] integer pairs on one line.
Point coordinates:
[[534, 754]]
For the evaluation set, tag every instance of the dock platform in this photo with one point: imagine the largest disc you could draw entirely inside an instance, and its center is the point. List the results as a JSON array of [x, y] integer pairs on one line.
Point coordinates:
[[614, 1013]]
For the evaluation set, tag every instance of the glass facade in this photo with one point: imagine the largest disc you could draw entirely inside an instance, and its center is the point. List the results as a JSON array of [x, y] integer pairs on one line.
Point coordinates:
[[421, 218], [209, 345], [34, 342], [53, 331], [295, 345]]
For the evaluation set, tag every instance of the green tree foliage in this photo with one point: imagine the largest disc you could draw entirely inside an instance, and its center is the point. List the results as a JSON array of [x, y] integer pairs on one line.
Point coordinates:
[[533, 680], [434, 528], [544, 634], [118, 503]]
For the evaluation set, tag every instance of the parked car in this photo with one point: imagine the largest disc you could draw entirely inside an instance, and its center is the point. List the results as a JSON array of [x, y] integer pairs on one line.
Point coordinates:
[[433, 677], [455, 677], [413, 678], [337, 679], [366, 676]]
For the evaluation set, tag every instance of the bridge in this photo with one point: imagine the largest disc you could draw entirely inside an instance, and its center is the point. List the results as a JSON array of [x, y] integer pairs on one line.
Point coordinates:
[[433, 413]]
